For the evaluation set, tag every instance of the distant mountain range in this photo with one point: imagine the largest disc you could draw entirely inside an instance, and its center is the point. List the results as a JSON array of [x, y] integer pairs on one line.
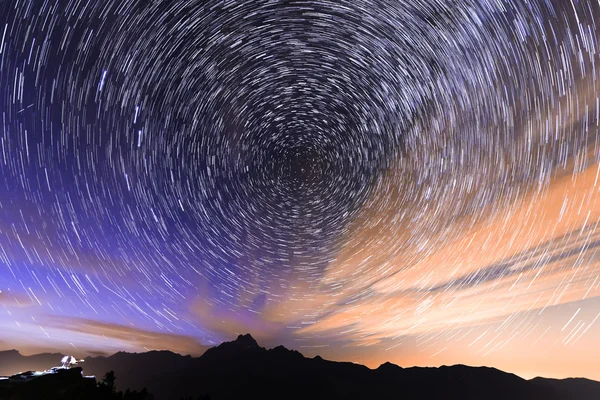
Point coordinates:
[[241, 369]]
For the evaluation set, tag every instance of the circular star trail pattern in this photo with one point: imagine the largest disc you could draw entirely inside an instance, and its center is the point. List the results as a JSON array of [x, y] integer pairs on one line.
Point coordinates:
[[158, 152]]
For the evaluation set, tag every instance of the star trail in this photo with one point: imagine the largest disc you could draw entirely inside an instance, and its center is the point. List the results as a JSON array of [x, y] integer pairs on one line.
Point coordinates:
[[369, 180]]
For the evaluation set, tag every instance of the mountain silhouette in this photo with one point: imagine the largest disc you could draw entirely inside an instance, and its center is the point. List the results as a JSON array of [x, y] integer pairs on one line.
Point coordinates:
[[243, 346], [242, 369], [12, 361]]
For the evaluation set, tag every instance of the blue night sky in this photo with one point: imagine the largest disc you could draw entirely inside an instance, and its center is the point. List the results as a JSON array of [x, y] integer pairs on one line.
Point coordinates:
[[366, 180]]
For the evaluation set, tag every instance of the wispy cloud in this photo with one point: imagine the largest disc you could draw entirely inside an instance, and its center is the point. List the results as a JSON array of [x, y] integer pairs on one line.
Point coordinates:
[[12, 299], [130, 336]]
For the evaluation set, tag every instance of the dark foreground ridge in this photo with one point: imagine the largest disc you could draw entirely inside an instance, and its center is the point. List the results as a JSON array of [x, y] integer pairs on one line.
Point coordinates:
[[243, 370]]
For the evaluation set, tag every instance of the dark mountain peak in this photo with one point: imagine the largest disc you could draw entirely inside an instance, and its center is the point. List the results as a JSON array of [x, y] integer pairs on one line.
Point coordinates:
[[318, 358], [388, 366], [246, 341], [244, 345], [281, 351]]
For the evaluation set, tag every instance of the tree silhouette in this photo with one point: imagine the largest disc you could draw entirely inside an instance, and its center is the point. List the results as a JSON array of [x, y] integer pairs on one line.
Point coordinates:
[[108, 390], [109, 381]]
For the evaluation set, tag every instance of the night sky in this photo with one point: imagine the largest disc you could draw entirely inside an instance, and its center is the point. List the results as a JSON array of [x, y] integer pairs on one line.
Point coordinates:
[[368, 180]]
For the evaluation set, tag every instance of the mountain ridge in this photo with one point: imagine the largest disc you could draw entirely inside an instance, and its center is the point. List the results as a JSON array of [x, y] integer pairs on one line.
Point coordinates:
[[243, 369]]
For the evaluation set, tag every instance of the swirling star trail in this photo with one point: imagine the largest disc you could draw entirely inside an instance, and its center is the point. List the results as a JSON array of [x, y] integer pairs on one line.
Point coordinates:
[[413, 181]]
